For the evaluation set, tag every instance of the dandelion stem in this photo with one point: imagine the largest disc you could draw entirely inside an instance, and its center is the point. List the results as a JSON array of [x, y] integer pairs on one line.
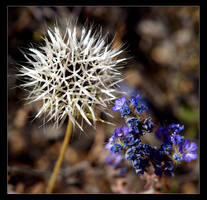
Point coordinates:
[[60, 158]]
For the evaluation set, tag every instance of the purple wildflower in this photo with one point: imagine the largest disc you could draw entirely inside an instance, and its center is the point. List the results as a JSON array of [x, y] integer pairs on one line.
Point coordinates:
[[119, 103], [133, 124], [148, 124], [176, 138], [166, 148], [187, 149], [116, 148], [122, 132], [176, 128], [168, 168], [130, 140], [110, 143], [125, 110], [114, 159], [127, 139], [141, 166], [162, 134], [158, 169], [141, 108], [134, 100], [178, 157], [130, 153]]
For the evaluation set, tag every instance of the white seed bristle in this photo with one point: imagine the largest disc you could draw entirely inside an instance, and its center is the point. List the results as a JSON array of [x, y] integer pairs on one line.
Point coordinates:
[[72, 74]]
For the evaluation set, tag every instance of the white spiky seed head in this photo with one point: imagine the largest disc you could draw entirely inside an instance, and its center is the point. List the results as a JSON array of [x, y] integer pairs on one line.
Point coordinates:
[[72, 73]]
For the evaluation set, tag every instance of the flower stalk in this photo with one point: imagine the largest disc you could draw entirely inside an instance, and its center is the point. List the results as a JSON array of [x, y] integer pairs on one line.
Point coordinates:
[[60, 158]]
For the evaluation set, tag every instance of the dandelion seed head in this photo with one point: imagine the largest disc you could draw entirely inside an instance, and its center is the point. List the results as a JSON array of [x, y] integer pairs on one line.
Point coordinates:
[[72, 73]]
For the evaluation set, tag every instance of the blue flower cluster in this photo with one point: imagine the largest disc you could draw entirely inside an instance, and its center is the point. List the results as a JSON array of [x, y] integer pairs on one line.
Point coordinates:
[[175, 145], [128, 140]]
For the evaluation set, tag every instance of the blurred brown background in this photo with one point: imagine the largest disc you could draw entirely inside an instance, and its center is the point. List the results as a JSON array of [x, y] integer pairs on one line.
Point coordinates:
[[164, 45]]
